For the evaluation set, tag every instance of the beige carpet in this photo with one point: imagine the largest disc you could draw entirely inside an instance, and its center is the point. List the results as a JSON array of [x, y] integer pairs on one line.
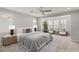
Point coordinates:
[[59, 44]]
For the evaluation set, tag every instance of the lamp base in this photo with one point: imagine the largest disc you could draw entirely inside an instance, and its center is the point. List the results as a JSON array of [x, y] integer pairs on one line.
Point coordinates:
[[11, 32], [35, 29]]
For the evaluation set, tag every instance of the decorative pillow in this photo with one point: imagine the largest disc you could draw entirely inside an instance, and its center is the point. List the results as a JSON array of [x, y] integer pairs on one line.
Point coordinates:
[[28, 30]]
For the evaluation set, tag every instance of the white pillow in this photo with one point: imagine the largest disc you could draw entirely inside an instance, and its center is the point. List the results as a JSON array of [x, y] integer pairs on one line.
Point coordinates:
[[62, 33], [19, 30]]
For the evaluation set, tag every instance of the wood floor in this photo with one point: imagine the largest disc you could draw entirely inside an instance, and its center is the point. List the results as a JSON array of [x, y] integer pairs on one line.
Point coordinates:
[[59, 44]]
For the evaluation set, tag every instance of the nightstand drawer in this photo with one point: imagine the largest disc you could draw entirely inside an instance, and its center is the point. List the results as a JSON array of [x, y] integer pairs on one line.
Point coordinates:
[[9, 40], [5, 41]]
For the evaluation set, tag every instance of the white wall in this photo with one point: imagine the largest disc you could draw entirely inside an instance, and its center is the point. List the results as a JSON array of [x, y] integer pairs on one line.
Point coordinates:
[[75, 27], [22, 20], [4, 24], [18, 19]]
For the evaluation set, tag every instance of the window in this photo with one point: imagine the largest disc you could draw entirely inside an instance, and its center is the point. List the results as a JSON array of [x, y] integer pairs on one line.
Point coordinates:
[[50, 24], [56, 24], [63, 23]]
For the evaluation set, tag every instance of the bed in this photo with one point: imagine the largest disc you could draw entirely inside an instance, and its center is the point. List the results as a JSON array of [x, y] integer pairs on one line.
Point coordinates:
[[33, 41]]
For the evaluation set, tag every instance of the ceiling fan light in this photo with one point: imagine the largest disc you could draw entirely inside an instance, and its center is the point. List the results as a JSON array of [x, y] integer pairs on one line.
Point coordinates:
[[68, 8]]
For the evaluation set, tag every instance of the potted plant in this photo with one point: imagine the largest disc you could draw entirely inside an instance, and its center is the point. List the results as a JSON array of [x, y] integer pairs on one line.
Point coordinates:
[[45, 26]]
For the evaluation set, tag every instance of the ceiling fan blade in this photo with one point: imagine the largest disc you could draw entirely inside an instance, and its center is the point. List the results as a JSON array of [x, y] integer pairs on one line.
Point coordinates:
[[40, 9], [47, 10]]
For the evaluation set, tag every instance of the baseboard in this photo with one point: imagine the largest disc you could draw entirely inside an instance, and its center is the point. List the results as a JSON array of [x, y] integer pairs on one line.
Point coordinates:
[[75, 41]]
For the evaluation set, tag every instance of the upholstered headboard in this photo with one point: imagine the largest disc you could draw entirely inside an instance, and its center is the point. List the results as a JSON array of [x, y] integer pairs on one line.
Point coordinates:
[[23, 30]]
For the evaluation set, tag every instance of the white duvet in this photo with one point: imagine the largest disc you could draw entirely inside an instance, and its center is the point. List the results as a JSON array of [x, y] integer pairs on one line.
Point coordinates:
[[34, 41]]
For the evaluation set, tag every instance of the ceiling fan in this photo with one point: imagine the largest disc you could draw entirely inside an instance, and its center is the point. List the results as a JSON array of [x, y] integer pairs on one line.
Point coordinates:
[[43, 11]]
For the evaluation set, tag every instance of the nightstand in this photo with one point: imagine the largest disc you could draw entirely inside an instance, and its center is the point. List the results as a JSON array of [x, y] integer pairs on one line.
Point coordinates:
[[9, 39]]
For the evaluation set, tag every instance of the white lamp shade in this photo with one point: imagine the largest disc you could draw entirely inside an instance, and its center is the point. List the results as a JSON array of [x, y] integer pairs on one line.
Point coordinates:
[[35, 26], [11, 26]]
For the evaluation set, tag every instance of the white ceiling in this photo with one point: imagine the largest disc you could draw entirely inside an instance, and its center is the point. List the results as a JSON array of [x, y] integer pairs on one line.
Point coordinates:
[[33, 11]]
